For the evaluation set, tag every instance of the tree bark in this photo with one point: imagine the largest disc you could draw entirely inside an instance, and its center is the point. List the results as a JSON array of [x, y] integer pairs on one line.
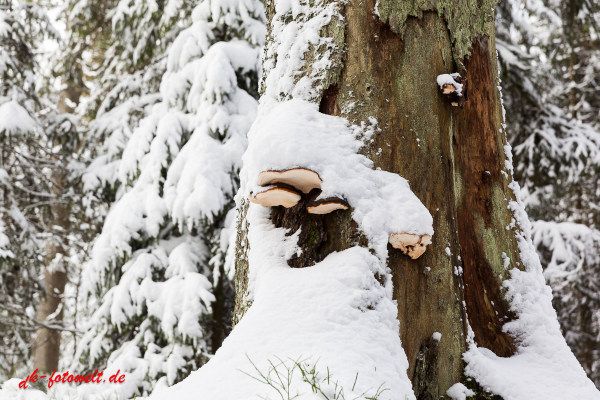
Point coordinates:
[[454, 160], [47, 343]]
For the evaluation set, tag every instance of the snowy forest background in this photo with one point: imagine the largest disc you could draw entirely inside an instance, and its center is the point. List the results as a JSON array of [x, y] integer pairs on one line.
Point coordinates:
[[122, 128]]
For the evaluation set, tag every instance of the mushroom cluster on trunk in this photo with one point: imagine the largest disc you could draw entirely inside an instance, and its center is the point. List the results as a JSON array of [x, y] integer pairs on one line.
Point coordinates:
[[287, 187], [289, 184]]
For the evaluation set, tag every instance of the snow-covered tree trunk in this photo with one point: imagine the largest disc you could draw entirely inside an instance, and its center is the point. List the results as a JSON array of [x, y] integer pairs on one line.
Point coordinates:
[[383, 62]]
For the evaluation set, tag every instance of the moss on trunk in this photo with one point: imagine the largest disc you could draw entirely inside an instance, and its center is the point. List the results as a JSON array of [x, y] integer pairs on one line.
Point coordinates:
[[465, 19]]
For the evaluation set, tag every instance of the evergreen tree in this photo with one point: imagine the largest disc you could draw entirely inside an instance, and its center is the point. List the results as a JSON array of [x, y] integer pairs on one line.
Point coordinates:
[[168, 162], [36, 142], [88, 68], [114, 42]]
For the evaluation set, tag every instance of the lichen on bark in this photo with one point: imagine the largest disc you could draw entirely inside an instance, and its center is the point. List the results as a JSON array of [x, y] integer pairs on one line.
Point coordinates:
[[465, 19], [242, 303], [334, 32], [322, 60]]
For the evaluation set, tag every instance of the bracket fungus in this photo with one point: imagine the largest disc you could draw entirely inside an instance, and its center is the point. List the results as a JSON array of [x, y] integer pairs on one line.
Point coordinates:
[[452, 87], [410, 244], [325, 206], [302, 179], [277, 196]]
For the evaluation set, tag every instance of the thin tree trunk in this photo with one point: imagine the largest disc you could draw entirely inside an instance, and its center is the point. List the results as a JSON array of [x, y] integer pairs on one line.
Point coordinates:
[[47, 343], [454, 160]]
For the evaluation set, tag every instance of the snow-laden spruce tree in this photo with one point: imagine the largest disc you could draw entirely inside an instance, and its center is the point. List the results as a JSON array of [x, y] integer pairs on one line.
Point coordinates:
[[159, 274], [36, 143], [549, 55], [115, 41], [94, 68]]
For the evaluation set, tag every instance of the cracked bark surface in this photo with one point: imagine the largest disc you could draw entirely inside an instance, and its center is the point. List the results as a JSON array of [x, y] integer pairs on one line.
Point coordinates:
[[394, 80], [444, 152]]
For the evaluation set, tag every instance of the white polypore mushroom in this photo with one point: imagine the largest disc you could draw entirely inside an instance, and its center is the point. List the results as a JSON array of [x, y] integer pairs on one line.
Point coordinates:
[[403, 240], [410, 244], [452, 86], [448, 88], [277, 196], [450, 83], [420, 248], [326, 206], [302, 179]]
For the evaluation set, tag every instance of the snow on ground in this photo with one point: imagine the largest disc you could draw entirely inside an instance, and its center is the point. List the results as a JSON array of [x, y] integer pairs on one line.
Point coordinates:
[[335, 315], [10, 391]]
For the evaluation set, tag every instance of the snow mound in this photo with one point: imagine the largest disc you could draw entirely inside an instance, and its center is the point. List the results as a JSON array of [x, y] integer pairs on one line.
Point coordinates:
[[336, 314], [10, 391], [544, 366], [458, 391]]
